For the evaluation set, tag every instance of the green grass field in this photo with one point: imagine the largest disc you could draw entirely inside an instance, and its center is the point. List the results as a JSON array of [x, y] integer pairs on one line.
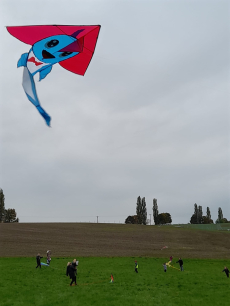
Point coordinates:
[[206, 227], [202, 282]]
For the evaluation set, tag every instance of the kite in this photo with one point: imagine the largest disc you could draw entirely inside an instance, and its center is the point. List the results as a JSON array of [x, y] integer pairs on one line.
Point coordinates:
[[44, 264], [112, 279], [70, 46], [171, 266]]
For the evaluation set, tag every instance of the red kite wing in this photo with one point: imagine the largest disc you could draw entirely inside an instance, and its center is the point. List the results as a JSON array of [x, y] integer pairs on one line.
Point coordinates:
[[79, 63], [88, 35]]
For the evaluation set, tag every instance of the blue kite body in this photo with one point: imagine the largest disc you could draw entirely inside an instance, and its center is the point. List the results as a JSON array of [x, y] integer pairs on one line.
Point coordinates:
[[44, 264], [41, 58]]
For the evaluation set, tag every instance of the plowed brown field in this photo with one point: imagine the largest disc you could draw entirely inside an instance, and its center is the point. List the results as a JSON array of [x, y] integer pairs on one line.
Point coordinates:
[[85, 239]]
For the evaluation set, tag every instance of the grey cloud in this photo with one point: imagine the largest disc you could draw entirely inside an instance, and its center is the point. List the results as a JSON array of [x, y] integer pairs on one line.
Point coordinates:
[[149, 118]]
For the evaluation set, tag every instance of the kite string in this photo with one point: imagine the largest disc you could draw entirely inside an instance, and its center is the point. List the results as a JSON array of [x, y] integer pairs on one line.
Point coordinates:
[[168, 264]]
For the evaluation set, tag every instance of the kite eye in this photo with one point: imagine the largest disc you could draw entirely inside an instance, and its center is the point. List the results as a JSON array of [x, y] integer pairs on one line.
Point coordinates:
[[52, 43], [63, 54]]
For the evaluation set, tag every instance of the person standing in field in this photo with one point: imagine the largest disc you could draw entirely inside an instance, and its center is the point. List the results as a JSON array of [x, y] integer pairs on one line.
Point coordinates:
[[165, 267], [75, 264], [38, 258], [48, 258], [70, 271], [180, 261], [170, 258], [226, 271], [136, 266]]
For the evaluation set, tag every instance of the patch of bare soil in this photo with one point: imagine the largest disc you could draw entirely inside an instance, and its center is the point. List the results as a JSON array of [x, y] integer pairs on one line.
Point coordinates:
[[85, 239]]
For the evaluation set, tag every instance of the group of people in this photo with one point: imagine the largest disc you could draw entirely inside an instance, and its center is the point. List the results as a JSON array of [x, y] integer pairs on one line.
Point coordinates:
[[48, 259], [180, 261], [71, 271]]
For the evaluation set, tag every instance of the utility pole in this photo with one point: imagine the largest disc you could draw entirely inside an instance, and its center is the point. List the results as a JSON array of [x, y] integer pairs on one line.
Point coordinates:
[[150, 218], [97, 219]]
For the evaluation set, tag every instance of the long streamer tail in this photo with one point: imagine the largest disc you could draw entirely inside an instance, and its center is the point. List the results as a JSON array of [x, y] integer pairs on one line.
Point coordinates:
[[30, 90]]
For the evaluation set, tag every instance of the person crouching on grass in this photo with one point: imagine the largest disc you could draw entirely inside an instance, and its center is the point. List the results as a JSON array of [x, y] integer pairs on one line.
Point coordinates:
[[70, 271], [226, 271], [38, 258]]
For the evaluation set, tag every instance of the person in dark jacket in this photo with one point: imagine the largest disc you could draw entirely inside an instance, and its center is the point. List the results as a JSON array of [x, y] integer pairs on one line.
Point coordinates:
[[75, 264], [180, 261], [226, 271], [38, 258], [70, 271]]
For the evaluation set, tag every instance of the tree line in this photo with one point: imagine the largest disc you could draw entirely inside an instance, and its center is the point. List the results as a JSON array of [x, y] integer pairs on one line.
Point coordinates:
[[6, 215], [199, 218], [165, 218], [141, 214]]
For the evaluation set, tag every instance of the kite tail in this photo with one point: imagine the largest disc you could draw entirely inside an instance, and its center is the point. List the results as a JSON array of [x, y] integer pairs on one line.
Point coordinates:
[[30, 90], [44, 114]]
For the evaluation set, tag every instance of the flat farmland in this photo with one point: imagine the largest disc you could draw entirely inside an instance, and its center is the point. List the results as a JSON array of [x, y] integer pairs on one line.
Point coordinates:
[[96, 239]]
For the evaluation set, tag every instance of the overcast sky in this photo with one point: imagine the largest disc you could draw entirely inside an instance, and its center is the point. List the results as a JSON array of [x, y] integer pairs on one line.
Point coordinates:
[[150, 118]]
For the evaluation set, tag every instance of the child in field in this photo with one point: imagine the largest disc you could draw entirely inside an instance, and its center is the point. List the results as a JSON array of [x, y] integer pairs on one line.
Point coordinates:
[[48, 258], [170, 258], [136, 266], [75, 264], [165, 267], [70, 271], [226, 271], [38, 258]]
